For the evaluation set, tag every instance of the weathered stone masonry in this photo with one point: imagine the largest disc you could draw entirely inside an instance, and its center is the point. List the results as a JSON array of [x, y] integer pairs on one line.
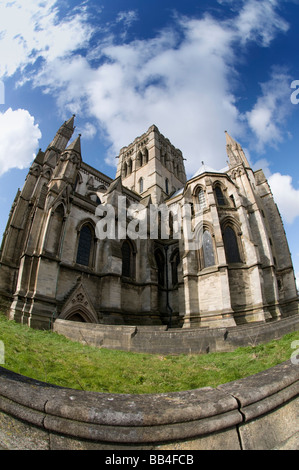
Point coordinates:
[[53, 266]]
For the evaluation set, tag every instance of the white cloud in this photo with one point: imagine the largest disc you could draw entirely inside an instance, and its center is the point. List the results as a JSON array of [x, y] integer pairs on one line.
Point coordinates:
[[285, 196], [127, 17], [19, 139], [258, 21], [31, 29], [88, 130], [182, 79], [263, 164], [269, 113]]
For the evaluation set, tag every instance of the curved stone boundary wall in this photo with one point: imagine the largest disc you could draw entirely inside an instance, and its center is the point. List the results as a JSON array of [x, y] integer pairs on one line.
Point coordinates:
[[159, 340], [258, 412]]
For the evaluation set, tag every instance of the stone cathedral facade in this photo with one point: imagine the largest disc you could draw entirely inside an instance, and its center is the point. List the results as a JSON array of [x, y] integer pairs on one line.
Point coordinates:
[[53, 264]]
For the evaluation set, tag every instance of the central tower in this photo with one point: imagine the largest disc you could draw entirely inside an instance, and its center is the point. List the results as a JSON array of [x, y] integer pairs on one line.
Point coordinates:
[[152, 166]]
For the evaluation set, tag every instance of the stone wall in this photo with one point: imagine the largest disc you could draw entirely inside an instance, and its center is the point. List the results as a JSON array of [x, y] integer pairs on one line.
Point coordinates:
[[160, 340], [256, 413]]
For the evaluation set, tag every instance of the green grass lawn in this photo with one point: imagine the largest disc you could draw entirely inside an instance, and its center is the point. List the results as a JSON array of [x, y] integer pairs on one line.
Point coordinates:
[[49, 357]]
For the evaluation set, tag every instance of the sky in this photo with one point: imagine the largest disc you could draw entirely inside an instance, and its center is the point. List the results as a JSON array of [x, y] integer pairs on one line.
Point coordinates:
[[194, 68]]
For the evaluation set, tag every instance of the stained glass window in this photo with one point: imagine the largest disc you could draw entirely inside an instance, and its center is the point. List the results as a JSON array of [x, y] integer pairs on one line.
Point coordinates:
[[84, 247], [201, 199], [208, 250], [231, 246], [126, 259], [219, 196]]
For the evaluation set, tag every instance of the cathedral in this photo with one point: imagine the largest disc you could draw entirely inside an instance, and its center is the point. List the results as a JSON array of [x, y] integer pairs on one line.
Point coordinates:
[[60, 260]]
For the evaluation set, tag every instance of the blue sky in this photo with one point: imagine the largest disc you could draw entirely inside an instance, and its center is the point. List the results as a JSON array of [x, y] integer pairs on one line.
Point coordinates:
[[193, 68]]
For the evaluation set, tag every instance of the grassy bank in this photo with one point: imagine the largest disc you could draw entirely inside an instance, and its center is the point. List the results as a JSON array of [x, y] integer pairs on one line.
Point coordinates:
[[49, 357]]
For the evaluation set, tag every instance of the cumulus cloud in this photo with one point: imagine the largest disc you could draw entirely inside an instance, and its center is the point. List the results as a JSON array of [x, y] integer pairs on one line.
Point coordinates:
[[127, 18], [285, 196], [259, 21], [19, 139], [31, 30], [88, 130], [182, 79], [271, 109]]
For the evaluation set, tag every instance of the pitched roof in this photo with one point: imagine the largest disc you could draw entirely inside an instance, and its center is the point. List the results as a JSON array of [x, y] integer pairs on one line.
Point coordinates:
[[204, 169]]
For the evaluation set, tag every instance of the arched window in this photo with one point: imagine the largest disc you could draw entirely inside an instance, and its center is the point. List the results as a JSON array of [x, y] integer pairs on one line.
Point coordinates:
[[166, 185], [170, 224], [219, 196], [77, 182], [201, 199], [160, 261], [233, 200], [139, 160], [231, 245], [145, 155], [128, 260], [85, 246], [129, 167], [208, 250], [141, 185]]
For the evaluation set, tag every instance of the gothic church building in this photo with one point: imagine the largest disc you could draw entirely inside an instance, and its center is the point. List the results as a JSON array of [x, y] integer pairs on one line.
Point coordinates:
[[53, 264]]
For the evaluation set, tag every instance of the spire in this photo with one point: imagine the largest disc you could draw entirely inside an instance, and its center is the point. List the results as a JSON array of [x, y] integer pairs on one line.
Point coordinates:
[[68, 165], [67, 128], [70, 123], [235, 152], [63, 135], [76, 145], [229, 140]]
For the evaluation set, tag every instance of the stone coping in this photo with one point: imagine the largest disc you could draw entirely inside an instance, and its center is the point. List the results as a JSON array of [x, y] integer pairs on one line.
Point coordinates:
[[149, 418], [160, 340]]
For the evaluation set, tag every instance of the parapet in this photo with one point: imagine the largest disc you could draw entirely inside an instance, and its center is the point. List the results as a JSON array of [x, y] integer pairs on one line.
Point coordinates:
[[255, 413]]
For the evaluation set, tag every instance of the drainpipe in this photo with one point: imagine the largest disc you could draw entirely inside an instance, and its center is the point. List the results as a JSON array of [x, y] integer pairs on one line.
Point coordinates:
[[168, 307]]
